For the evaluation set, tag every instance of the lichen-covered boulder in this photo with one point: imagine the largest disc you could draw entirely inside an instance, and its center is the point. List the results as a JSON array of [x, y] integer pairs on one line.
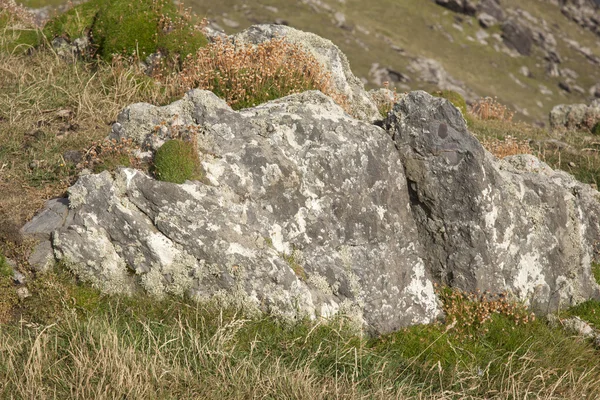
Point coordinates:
[[575, 116], [328, 55], [500, 225], [303, 211]]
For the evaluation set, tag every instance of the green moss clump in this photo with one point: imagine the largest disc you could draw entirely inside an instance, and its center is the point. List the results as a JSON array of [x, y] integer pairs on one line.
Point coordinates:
[[5, 269], [126, 27], [596, 129], [453, 97], [177, 161], [74, 23]]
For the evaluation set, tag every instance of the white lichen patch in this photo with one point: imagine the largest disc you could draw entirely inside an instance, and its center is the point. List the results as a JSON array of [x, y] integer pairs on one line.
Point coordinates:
[[320, 283], [236, 248], [271, 174], [276, 236], [162, 248], [214, 170], [421, 293], [77, 195], [529, 276]]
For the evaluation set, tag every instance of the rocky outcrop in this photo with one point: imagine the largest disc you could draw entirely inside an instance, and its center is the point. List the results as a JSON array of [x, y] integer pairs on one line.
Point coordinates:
[[584, 12], [306, 211], [575, 116], [330, 57], [485, 224], [303, 211], [461, 6]]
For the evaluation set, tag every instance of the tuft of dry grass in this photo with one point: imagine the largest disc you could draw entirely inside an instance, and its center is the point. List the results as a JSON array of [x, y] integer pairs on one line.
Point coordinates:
[[246, 75], [489, 108], [509, 146], [49, 106], [475, 310]]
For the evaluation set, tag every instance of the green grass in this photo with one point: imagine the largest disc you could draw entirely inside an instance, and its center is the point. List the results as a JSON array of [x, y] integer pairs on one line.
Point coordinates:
[[68, 337], [130, 28], [177, 161]]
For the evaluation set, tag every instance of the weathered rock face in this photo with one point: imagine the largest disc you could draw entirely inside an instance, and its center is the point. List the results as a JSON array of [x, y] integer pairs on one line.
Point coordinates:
[[575, 116], [517, 36], [328, 54], [513, 225], [303, 211]]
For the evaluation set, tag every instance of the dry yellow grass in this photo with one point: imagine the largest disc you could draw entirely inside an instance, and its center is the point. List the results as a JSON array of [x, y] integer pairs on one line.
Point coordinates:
[[509, 146], [248, 75], [489, 108]]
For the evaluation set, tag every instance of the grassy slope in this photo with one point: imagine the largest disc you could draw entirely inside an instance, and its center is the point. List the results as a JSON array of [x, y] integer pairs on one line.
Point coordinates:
[[407, 23], [69, 341]]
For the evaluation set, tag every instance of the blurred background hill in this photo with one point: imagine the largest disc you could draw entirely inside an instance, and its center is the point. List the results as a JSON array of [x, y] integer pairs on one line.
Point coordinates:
[[531, 55]]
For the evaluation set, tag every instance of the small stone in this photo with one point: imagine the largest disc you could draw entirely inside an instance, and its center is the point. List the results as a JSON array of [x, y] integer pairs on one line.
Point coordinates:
[[486, 20], [572, 164], [23, 293], [65, 114], [231, 23], [73, 156], [18, 278]]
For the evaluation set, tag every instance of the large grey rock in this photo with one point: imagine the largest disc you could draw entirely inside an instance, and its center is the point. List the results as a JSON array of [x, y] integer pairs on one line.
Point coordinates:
[[514, 225], [303, 211], [517, 36], [326, 53]]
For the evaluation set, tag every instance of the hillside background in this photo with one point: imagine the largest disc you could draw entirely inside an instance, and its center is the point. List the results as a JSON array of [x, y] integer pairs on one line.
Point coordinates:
[[418, 44]]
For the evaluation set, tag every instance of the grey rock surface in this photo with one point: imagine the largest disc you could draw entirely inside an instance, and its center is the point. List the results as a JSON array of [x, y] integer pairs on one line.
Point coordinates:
[[514, 224], [517, 36], [326, 53], [303, 211], [575, 116]]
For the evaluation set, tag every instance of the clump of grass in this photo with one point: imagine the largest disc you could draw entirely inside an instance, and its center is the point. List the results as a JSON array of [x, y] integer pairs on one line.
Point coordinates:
[[5, 269], [509, 146], [453, 97], [596, 129], [110, 154], [177, 161], [473, 311], [131, 28], [294, 261], [489, 108], [248, 75]]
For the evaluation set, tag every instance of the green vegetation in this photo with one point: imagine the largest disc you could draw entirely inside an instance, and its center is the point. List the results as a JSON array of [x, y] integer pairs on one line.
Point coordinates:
[[123, 27], [596, 129], [247, 75], [5, 269], [141, 348], [453, 97], [177, 161]]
